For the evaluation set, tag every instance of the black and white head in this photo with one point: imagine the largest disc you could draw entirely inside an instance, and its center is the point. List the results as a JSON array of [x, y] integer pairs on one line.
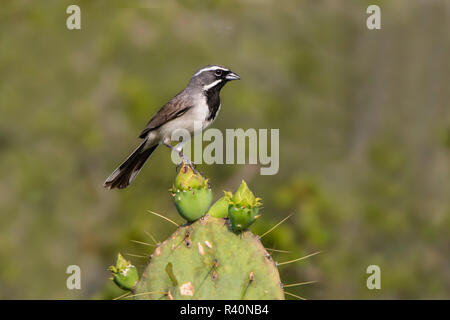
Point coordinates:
[[212, 77]]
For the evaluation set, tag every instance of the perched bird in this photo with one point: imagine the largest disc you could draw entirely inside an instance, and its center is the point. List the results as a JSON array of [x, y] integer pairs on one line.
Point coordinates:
[[199, 102]]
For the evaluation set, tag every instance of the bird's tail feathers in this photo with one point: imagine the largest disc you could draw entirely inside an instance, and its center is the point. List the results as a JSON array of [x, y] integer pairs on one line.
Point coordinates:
[[129, 169]]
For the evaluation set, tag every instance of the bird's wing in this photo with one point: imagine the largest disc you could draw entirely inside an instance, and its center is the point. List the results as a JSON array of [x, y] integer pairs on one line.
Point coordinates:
[[171, 110]]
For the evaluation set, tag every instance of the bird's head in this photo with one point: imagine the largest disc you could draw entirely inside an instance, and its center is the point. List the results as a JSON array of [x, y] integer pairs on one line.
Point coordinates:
[[213, 77]]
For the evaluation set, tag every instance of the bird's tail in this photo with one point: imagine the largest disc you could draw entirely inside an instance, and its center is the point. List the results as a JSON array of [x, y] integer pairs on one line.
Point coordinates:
[[128, 170]]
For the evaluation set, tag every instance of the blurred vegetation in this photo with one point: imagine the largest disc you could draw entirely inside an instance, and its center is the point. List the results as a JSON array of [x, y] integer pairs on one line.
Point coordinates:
[[364, 124]]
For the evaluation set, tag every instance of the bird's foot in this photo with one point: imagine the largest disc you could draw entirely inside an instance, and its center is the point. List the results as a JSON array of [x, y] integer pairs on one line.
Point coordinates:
[[185, 162]]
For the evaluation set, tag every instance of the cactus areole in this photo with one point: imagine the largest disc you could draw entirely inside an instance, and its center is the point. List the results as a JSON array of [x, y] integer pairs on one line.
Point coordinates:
[[207, 260]]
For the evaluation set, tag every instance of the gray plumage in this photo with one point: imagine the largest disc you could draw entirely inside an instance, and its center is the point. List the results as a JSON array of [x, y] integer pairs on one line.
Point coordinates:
[[198, 102]]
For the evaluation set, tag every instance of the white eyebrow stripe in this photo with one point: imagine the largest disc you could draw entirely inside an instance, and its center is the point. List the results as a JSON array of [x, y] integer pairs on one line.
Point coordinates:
[[213, 84], [208, 69]]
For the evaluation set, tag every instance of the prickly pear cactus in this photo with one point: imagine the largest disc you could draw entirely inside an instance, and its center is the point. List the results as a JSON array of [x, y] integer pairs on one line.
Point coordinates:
[[207, 260], [213, 256]]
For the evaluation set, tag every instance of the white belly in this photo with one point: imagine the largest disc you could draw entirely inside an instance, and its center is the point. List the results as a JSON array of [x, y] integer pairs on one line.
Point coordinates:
[[193, 121]]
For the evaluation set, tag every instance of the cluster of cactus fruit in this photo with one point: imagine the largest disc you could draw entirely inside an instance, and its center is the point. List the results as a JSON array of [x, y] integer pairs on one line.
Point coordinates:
[[193, 196], [212, 256]]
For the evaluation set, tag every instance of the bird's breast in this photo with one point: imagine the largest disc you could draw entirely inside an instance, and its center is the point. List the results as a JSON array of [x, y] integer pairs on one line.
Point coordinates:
[[200, 111], [194, 120]]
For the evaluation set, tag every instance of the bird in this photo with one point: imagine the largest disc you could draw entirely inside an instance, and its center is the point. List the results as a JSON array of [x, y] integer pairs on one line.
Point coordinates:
[[198, 103]]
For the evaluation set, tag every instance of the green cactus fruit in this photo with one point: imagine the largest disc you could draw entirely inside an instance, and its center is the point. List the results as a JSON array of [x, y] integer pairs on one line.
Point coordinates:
[[206, 260], [243, 207], [193, 204], [187, 179], [125, 275], [191, 192], [243, 195], [219, 209], [241, 217]]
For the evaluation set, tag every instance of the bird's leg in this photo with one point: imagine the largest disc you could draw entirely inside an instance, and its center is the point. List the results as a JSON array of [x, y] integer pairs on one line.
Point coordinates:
[[186, 160], [178, 149]]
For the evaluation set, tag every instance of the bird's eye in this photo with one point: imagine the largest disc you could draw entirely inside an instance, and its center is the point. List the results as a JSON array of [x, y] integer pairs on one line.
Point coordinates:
[[218, 72]]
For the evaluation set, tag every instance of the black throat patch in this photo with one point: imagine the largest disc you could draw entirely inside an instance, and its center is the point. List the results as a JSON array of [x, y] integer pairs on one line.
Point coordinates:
[[213, 101]]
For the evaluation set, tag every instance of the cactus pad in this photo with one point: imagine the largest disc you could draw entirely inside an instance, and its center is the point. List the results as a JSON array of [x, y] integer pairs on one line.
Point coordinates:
[[207, 260]]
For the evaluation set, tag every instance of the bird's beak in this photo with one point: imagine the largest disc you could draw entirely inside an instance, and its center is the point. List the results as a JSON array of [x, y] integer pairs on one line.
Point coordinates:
[[232, 76]]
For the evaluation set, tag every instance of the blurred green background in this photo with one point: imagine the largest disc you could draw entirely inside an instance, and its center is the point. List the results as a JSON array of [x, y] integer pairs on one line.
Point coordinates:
[[364, 123]]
